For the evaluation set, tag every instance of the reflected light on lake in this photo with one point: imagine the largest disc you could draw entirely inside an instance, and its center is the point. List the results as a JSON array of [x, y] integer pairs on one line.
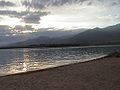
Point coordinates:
[[25, 60], [22, 60]]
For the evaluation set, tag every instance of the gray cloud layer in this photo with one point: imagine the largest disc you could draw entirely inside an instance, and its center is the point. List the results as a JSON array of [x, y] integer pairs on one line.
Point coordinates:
[[33, 17], [6, 4], [26, 16], [40, 4]]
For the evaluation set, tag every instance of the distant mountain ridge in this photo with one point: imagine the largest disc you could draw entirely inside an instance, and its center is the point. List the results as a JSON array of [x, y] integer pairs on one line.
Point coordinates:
[[7, 38], [108, 35], [96, 36]]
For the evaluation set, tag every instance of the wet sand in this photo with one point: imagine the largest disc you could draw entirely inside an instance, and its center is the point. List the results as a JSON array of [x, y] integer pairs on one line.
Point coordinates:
[[101, 74]]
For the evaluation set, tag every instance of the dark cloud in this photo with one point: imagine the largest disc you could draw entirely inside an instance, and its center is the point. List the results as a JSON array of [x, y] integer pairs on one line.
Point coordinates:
[[34, 4], [6, 4], [115, 3], [40, 4], [33, 17], [26, 16], [90, 3], [8, 12]]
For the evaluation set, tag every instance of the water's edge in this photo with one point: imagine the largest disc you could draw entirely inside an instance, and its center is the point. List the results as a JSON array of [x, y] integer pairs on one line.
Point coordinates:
[[48, 68]]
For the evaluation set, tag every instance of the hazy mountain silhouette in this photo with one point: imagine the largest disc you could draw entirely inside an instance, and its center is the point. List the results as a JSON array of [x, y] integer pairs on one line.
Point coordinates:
[[8, 38], [96, 36], [108, 35]]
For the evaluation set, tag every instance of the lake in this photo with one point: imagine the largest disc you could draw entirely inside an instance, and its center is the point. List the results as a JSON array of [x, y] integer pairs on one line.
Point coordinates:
[[22, 60]]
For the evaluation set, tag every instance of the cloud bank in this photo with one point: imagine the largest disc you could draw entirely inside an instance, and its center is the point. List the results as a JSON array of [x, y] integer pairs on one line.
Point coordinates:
[[62, 13], [6, 4], [33, 17], [41, 4], [26, 16]]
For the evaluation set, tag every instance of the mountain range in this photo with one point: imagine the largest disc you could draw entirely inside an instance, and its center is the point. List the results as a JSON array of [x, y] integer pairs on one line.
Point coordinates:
[[97, 36]]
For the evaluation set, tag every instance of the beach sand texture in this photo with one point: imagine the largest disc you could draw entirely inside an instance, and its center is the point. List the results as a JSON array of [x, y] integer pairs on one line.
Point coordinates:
[[101, 74]]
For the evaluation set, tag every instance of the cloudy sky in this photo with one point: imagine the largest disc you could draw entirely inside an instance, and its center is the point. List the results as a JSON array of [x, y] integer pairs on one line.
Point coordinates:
[[27, 16]]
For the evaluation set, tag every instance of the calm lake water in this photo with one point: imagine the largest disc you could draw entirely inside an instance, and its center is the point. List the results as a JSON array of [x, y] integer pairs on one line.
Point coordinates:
[[23, 60]]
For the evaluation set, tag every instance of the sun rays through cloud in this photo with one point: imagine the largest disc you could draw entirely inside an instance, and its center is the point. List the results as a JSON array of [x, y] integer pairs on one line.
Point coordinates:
[[61, 14]]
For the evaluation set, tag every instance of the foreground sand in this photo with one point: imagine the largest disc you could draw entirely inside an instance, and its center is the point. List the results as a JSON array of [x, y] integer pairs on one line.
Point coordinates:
[[102, 74]]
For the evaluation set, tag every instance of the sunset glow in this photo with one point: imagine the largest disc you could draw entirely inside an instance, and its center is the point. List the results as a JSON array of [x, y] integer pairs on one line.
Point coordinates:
[[61, 15]]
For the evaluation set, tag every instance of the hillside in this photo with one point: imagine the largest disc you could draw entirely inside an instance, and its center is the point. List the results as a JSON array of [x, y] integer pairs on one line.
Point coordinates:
[[108, 35], [97, 36]]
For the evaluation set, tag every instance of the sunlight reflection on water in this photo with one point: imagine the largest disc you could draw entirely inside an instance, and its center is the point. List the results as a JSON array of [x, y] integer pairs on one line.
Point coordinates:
[[23, 60]]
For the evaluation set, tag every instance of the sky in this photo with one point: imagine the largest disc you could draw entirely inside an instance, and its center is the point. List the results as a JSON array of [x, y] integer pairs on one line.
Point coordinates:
[[28, 16]]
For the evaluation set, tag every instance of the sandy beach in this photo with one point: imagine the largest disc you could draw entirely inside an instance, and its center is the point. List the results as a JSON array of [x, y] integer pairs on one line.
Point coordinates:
[[101, 74]]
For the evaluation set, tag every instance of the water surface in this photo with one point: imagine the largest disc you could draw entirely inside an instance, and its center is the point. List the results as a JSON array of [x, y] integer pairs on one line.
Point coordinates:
[[22, 60]]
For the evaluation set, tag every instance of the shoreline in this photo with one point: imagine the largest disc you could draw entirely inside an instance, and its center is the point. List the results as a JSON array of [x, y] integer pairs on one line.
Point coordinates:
[[67, 46], [99, 58], [101, 74]]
